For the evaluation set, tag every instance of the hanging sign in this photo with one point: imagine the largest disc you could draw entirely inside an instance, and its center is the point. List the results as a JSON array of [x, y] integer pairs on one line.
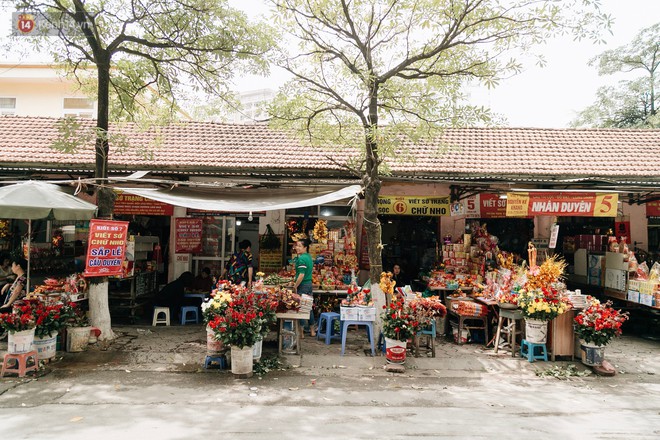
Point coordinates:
[[413, 205], [573, 204], [554, 233], [106, 248], [188, 235], [653, 209], [130, 204]]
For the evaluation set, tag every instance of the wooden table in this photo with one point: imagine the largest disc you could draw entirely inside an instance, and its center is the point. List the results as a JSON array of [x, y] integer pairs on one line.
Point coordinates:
[[296, 318], [562, 337]]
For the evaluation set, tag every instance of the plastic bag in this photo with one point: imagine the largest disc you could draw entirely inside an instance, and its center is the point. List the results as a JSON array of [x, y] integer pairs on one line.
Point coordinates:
[[654, 274], [642, 272]]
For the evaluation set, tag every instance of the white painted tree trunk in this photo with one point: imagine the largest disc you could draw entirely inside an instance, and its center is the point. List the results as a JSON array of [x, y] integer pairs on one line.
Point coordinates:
[[379, 301], [99, 309]]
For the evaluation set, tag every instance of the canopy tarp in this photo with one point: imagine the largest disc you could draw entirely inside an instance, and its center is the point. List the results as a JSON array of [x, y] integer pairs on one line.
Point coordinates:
[[34, 200], [246, 199]]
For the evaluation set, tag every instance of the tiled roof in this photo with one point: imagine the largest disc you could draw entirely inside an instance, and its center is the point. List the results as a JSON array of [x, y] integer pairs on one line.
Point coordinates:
[[207, 147]]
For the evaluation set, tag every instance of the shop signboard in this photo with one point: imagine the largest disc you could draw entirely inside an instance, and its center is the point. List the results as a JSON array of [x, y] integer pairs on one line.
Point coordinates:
[[188, 235], [653, 209], [129, 204], [426, 206], [485, 205], [106, 248], [563, 204]]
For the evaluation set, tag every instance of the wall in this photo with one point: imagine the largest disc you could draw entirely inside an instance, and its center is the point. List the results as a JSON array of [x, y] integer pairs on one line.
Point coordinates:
[[40, 98], [638, 224]]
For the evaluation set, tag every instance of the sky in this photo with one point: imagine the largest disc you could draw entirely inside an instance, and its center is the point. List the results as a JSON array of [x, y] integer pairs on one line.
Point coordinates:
[[540, 97], [548, 97]]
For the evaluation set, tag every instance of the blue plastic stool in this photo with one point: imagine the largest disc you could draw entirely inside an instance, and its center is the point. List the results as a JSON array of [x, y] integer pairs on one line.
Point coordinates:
[[429, 332], [370, 333], [528, 350], [219, 361], [327, 331], [184, 315]]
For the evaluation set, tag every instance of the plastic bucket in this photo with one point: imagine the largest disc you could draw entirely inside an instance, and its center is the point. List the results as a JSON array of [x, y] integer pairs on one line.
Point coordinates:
[[241, 361], [536, 331], [256, 350], [46, 346], [20, 342], [592, 355], [77, 339], [213, 346], [395, 351]]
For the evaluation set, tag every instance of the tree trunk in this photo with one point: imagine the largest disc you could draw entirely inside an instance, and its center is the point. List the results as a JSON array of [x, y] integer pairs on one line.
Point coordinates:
[[99, 308]]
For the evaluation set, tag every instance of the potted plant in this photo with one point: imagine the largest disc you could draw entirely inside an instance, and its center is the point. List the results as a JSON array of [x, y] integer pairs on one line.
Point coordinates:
[[538, 306], [596, 326], [241, 324], [215, 306], [398, 325], [20, 323], [78, 328], [51, 317]]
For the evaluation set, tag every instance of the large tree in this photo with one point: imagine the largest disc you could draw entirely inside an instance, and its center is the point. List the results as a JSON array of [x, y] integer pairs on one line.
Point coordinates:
[[378, 72], [633, 103], [140, 49]]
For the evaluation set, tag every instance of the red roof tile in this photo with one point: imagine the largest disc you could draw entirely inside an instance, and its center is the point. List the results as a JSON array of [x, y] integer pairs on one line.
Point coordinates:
[[208, 147]]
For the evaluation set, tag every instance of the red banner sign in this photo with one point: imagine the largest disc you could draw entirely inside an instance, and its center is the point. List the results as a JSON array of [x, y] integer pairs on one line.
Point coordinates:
[[653, 209], [129, 204], [485, 206], [106, 248], [564, 204], [188, 235]]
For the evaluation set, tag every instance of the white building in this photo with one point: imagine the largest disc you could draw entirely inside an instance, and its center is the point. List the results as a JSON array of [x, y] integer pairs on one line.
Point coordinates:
[[41, 90], [253, 106]]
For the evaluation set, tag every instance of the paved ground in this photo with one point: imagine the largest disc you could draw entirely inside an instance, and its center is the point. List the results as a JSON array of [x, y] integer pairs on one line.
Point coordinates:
[[150, 382]]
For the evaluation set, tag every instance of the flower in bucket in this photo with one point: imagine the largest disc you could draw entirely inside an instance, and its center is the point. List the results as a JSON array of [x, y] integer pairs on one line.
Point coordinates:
[[599, 323], [427, 309], [50, 317], [19, 319], [216, 305], [243, 321], [398, 321], [543, 304]]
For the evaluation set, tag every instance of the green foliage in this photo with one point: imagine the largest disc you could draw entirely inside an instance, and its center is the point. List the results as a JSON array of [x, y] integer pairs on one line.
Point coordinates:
[[373, 76], [633, 103]]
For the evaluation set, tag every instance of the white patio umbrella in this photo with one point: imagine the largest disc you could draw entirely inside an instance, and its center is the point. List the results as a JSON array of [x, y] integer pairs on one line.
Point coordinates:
[[33, 200]]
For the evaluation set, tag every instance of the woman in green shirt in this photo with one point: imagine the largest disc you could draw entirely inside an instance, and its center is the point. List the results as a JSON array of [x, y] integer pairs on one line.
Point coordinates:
[[302, 283]]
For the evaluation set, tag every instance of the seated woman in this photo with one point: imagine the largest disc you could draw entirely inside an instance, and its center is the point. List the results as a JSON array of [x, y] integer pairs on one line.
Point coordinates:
[[16, 290], [172, 295], [398, 276], [203, 282]]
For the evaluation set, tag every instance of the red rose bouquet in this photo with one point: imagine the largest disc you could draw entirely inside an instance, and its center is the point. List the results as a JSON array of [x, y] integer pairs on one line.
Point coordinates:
[[599, 323]]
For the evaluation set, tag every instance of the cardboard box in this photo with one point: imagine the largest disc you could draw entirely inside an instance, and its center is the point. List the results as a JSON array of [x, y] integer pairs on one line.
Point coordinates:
[[348, 313], [366, 313], [645, 299], [633, 296], [616, 279], [633, 285]]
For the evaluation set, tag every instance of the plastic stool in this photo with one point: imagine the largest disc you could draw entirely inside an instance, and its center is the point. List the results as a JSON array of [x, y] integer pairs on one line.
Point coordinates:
[[370, 333], [509, 328], [528, 350], [184, 315], [429, 332], [165, 320], [329, 318], [21, 366], [218, 361]]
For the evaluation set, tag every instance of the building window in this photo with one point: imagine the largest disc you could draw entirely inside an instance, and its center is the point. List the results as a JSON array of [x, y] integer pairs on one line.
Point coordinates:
[[79, 108], [8, 106]]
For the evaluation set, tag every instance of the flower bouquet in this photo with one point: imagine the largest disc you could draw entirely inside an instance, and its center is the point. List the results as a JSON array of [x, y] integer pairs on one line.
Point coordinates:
[[599, 323], [243, 320], [20, 318], [542, 304], [427, 309], [358, 297], [51, 317], [398, 321]]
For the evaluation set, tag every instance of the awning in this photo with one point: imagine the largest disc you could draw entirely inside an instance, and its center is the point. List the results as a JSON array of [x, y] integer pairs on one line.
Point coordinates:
[[246, 199]]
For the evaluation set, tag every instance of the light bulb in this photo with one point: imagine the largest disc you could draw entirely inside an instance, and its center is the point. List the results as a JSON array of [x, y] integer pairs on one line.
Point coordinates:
[[250, 217], [238, 222]]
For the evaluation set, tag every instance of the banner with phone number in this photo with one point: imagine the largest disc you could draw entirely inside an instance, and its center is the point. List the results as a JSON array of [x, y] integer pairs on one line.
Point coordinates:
[[560, 204]]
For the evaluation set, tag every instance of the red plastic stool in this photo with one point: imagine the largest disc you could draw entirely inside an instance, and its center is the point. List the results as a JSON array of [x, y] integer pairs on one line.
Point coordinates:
[[21, 366]]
